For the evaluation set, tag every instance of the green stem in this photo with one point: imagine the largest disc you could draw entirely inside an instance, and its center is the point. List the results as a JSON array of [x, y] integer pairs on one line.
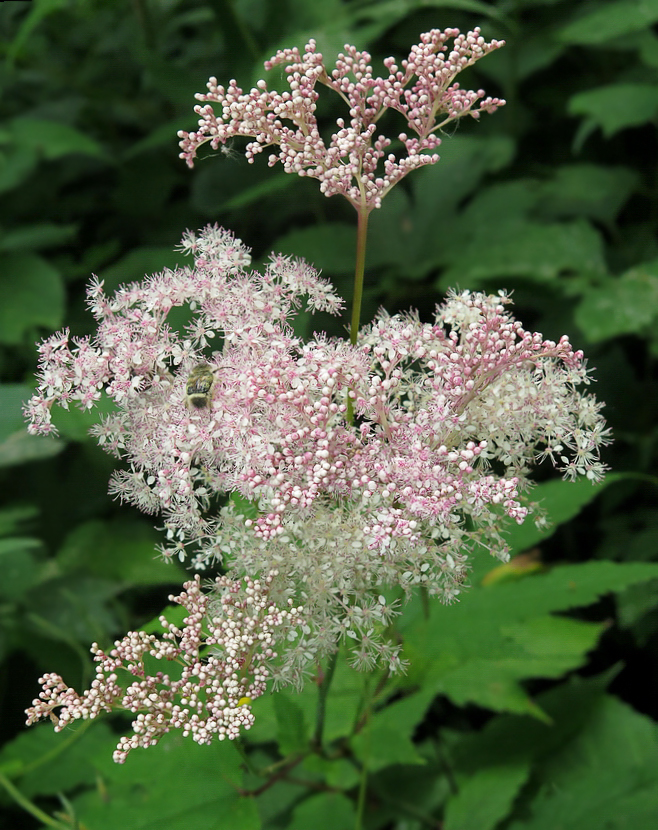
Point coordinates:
[[29, 807], [322, 702], [359, 271]]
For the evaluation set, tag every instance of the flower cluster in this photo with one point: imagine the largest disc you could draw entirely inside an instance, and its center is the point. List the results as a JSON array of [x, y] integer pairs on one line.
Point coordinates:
[[445, 420], [423, 90], [220, 656]]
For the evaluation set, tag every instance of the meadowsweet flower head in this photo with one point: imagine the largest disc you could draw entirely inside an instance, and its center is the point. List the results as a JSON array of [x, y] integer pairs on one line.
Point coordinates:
[[357, 163], [448, 419]]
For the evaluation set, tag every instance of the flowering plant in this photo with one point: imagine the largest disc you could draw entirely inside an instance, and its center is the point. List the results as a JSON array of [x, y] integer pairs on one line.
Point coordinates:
[[328, 470]]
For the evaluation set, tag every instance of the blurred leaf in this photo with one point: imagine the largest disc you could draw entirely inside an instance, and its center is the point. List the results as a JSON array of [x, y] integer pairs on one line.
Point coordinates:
[[331, 247], [123, 549], [588, 190], [617, 106], [486, 797], [53, 139], [16, 446], [18, 566], [139, 263], [326, 811], [625, 305], [16, 165], [540, 252], [609, 21], [36, 236], [32, 293]]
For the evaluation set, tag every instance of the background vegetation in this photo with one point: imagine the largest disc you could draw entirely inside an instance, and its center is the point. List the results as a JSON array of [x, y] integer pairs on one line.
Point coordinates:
[[530, 705]]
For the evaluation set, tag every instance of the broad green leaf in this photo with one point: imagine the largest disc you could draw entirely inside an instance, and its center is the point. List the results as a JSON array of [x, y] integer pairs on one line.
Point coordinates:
[[32, 296], [486, 797], [36, 236], [386, 738], [604, 777], [54, 139], [331, 246], [540, 252], [587, 190], [14, 518], [617, 106], [480, 649], [561, 500], [16, 165], [326, 811], [176, 785], [123, 549], [625, 305], [609, 22], [339, 773], [18, 566], [46, 762], [293, 733]]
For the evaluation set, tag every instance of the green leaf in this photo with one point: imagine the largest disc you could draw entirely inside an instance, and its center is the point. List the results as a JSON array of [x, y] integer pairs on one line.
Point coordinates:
[[53, 139], [486, 797], [588, 190], [36, 236], [609, 22], [480, 649], [604, 777], [293, 733], [141, 262], [387, 737], [123, 549], [331, 246], [561, 500], [16, 446], [32, 296], [46, 762], [18, 566], [625, 305], [176, 785], [540, 252], [326, 811], [617, 106]]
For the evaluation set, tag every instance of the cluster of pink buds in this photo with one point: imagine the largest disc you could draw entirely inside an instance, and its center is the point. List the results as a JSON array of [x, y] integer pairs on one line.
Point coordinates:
[[356, 163], [219, 665]]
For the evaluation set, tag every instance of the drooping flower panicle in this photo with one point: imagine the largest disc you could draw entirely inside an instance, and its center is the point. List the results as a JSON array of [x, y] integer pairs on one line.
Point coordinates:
[[356, 163]]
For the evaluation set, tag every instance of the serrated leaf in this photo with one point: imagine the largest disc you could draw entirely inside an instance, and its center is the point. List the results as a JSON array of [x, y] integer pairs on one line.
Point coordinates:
[[33, 296], [625, 305], [588, 190], [617, 106], [477, 651], [486, 797], [387, 738], [604, 777], [140, 794]]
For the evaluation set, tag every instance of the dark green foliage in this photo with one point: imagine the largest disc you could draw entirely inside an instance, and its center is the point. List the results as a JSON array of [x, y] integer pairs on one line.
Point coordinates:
[[531, 705]]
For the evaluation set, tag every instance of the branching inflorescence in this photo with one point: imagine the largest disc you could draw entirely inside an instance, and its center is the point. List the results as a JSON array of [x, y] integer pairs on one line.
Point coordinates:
[[355, 164], [335, 469]]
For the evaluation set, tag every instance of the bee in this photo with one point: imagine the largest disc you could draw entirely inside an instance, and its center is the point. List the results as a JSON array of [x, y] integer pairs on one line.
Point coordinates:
[[199, 386]]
